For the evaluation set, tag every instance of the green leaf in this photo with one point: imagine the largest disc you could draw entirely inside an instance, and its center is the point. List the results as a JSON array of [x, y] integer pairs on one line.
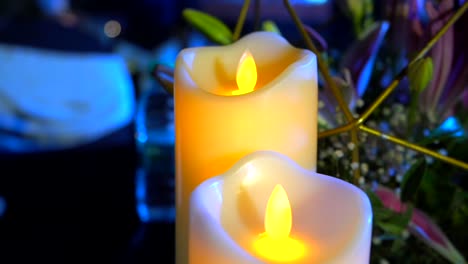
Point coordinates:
[[374, 199], [391, 228], [420, 74], [270, 26], [412, 180], [460, 208], [443, 137], [210, 26], [396, 223], [382, 214]]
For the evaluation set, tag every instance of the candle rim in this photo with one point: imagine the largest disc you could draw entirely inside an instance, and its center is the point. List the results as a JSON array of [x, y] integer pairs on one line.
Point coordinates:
[[305, 58], [197, 205]]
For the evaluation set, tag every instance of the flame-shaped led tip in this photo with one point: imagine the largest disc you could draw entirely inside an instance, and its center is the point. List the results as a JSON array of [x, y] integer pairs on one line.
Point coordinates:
[[278, 216], [275, 244], [246, 76]]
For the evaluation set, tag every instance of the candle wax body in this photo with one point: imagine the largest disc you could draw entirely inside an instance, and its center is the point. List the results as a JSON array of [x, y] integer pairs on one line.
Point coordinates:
[[214, 128], [331, 218]]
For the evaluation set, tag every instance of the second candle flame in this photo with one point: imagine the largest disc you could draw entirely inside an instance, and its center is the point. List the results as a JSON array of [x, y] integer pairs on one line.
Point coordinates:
[[278, 216], [275, 244], [246, 76]]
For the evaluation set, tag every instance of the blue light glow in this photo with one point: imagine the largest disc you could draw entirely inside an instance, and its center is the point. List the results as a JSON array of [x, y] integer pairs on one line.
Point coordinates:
[[314, 2], [2, 206], [452, 124]]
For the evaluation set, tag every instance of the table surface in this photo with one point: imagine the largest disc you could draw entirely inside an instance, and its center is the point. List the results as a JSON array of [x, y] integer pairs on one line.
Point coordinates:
[[78, 206]]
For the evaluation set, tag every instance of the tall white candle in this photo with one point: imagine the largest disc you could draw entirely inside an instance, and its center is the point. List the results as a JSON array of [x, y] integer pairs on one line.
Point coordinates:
[[259, 93]]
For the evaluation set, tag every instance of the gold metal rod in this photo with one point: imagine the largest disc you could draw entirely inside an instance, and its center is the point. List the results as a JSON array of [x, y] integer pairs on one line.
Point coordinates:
[[335, 131], [355, 155], [322, 67], [241, 20], [415, 147]]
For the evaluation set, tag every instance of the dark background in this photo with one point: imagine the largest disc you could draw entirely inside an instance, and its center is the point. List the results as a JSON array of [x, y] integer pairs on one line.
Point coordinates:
[[78, 205]]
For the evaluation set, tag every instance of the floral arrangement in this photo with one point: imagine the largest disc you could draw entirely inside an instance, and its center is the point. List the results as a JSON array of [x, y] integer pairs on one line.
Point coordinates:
[[391, 118]]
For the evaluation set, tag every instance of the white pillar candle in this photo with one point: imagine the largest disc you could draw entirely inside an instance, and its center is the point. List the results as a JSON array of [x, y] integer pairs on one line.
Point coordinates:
[[330, 220], [260, 93]]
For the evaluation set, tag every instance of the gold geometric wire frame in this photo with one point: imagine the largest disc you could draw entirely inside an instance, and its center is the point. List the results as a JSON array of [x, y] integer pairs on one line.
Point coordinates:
[[354, 124]]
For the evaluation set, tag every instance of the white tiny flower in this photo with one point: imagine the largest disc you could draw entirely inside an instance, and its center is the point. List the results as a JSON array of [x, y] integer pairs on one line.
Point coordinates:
[[399, 177], [339, 153], [360, 103], [429, 160], [337, 145], [322, 154], [321, 104], [386, 111], [354, 165], [398, 192], [383, 261], [364, 168], [376, 241], [402, 118], [385, 179], [362, 181], [381, 171], [351, 145], [405, 234], [443, 152]]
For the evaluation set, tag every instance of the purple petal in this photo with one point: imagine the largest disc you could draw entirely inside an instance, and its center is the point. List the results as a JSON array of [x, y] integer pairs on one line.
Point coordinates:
[[441, 53], [360, 57], [446, 47], [318, 40], [465, 99]]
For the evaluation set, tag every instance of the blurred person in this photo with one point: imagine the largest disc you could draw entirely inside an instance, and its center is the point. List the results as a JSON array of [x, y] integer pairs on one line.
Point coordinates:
[[66, 137], [60, 86]]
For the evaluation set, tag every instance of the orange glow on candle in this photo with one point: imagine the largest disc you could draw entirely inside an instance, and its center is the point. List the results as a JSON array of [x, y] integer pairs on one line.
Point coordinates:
[[246, 76], [275, 244]]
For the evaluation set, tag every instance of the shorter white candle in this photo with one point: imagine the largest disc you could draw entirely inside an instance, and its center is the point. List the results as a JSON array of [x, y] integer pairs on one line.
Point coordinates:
[[268, 209]]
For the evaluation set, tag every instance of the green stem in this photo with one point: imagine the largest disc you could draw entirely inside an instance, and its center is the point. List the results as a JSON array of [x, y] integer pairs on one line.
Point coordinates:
[[241, 20], [415, 147]]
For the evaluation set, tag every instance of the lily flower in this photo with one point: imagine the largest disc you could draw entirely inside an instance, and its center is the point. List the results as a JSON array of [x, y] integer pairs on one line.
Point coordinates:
[[356, 66], [421, 226]]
